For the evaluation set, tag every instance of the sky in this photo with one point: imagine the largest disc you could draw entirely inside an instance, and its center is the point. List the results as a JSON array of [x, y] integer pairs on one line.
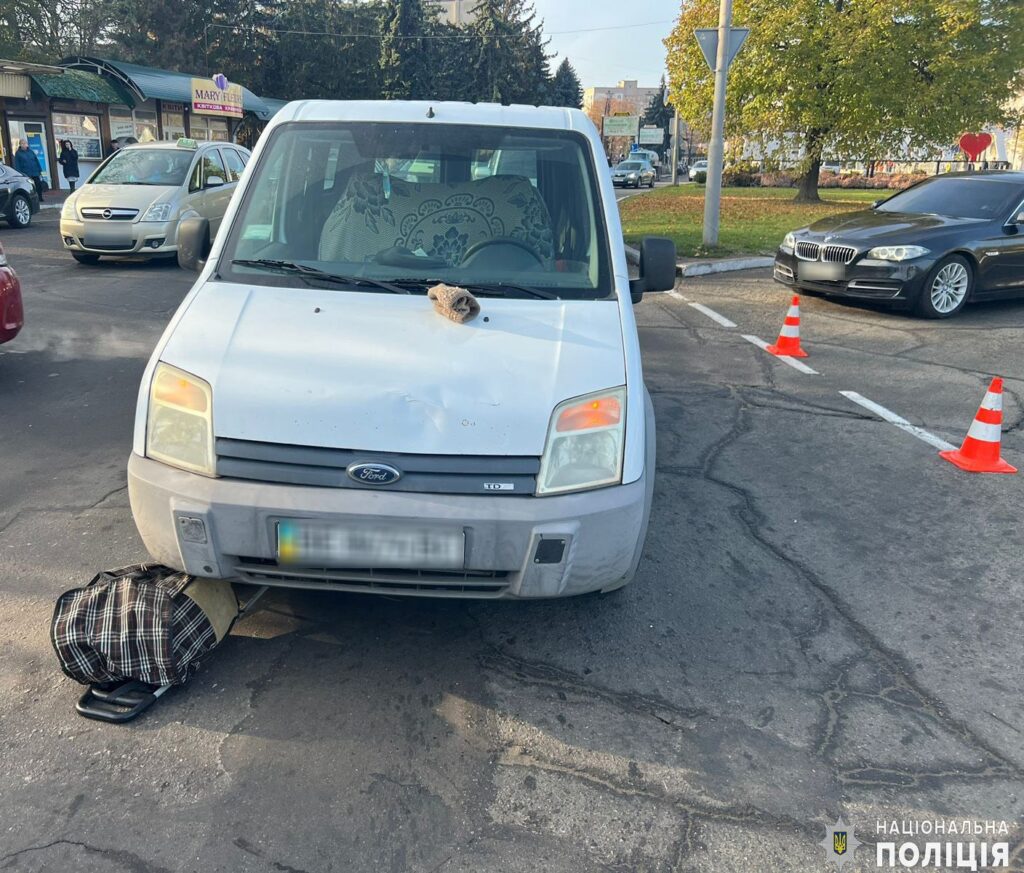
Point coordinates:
[[603, 57]]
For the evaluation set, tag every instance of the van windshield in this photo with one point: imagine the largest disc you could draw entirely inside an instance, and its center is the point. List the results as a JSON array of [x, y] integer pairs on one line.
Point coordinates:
[[399, 202], [145, 167]]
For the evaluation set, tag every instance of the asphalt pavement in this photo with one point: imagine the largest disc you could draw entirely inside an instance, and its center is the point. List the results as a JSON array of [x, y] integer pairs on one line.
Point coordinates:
[[827, 622]]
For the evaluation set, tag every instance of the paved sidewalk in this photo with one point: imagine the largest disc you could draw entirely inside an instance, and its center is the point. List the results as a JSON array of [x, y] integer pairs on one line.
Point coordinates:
[[706, 266], [54, 199]]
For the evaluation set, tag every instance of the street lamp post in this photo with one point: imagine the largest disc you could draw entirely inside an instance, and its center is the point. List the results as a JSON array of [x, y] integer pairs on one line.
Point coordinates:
[[713, 192]]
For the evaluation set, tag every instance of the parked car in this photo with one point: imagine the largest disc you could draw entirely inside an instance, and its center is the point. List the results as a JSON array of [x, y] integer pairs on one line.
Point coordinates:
[[634, 174], [12, 314], [133, 202], [934, 247], [697, 167], [19, 200], [310, 419]]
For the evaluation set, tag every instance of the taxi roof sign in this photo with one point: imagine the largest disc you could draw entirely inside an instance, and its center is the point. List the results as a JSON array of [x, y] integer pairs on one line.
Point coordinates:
[[185, 142]]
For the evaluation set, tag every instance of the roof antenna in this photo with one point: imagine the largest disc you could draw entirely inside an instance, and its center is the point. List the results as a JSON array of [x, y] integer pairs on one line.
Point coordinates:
[[430, 112]]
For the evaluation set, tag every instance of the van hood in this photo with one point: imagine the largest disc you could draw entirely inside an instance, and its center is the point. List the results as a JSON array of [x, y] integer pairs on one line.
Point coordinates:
[[386, 373]]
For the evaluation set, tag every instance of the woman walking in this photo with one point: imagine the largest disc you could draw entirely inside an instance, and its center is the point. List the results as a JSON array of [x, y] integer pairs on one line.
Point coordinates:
[[68, 159]]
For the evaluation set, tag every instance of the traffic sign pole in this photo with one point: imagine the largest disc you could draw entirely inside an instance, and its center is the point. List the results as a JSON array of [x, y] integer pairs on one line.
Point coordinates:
[[675, 148], [713, 192]]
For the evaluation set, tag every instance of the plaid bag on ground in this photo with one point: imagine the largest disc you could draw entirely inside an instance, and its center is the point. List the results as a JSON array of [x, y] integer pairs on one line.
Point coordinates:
[[144, 622]]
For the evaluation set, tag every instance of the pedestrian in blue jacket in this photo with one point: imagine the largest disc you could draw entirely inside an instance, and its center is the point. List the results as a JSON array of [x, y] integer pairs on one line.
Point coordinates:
[[26, 163]]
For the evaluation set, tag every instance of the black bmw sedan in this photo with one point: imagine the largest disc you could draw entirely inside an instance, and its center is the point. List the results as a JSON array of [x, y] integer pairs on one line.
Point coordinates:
[[932, 248]]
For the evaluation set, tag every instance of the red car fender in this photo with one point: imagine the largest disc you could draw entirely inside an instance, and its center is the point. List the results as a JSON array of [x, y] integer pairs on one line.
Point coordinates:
[[12, 313]]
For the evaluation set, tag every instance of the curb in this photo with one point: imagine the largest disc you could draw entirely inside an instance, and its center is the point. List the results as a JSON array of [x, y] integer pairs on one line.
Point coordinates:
[[704, 268]]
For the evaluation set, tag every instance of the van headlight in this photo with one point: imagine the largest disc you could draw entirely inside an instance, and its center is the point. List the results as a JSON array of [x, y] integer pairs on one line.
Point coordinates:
[[584, 443], [158, 212], [179, 428]]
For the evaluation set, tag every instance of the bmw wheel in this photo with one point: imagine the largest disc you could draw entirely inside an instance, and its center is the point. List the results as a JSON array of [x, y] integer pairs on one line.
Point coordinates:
[[21, 212], [947, 288]]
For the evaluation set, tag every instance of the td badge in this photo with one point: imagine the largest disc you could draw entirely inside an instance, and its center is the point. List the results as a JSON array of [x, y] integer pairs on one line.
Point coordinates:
[[839, 843]]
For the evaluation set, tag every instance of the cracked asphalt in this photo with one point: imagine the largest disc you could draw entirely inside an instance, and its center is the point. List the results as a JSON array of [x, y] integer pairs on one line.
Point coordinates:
[[827, 621]]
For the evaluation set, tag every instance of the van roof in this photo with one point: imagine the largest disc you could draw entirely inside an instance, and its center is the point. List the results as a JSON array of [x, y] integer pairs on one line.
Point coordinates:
[[443, 112]]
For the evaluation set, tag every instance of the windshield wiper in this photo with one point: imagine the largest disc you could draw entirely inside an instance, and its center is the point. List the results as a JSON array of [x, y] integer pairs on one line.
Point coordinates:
[[494, 289], [315, 273]]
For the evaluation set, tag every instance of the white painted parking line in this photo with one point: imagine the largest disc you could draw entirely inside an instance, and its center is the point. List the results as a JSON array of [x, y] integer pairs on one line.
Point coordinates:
[[901, 423], [793, 362], [677, 295], [714, 316]]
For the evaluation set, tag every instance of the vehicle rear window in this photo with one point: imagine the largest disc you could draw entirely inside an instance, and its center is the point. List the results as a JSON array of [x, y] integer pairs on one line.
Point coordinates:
[[145, 167], [464, 204], [957, 197]]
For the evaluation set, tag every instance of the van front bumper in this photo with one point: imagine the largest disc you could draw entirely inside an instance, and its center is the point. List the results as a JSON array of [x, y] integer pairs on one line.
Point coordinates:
[[601, 534]]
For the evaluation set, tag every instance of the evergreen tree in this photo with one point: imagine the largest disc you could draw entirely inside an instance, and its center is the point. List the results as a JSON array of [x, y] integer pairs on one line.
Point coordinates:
[[402, 58], [162, 33], [447, 48], [332, 52], [660, 114], [508, 62], [565, 88]]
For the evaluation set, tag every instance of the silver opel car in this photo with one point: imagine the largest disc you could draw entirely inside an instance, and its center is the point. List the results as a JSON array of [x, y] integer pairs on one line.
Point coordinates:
[[133, 202]]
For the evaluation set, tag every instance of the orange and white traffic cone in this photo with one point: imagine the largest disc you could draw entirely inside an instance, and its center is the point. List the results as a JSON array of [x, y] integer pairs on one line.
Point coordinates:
[[788, 343], [980, 450]]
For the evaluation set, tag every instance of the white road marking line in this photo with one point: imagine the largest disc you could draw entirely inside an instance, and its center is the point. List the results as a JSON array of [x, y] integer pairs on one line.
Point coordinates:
[[677, 295], [901, 423], [795, 363], [714, 316]]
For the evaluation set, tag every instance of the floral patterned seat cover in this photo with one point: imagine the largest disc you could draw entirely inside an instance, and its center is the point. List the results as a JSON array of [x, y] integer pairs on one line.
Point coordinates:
[[444, 220]]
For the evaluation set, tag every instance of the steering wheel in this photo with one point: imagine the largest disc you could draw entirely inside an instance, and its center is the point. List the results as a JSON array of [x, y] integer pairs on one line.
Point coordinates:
[[503, 241]]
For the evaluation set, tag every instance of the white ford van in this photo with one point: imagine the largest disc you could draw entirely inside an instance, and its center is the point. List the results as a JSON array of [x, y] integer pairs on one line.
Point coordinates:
[[310, 419]]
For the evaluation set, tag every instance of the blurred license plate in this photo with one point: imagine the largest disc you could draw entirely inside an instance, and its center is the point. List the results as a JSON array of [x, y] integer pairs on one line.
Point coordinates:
[[821, 272], [325, 544], [97, 234]]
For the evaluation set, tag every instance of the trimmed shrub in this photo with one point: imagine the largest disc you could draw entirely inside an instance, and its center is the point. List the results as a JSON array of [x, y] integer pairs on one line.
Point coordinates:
[[778, 179], [701, 178], [740, 179]]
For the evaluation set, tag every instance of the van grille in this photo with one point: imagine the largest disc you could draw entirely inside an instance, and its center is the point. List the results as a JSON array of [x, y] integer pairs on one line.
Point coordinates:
[[432, 583], [493, 475]]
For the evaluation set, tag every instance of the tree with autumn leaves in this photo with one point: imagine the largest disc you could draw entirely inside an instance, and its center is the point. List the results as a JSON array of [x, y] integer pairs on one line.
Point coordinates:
[[857, 79]]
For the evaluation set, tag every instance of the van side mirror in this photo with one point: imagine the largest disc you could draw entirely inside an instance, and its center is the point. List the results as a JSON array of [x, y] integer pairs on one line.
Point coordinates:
[[213, 182], [193, 242], [657, 267]]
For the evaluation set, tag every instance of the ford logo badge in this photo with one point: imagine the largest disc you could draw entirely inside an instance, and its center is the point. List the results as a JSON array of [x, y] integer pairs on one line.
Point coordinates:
[[373, 474]]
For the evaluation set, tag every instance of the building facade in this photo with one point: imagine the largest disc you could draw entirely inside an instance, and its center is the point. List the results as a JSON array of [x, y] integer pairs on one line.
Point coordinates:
[[94, 102], [626, 96], [460, 12]]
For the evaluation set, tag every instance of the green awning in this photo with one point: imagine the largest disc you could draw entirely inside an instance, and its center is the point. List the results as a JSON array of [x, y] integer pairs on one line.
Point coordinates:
[[150, 82], [80, 85]]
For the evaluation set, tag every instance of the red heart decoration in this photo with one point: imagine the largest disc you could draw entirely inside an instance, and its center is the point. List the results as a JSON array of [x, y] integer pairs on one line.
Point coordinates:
[[974, 144]]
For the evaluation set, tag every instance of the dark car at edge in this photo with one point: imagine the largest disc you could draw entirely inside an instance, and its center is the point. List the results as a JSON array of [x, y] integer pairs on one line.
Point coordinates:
[[933, 248], [18, 198]]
